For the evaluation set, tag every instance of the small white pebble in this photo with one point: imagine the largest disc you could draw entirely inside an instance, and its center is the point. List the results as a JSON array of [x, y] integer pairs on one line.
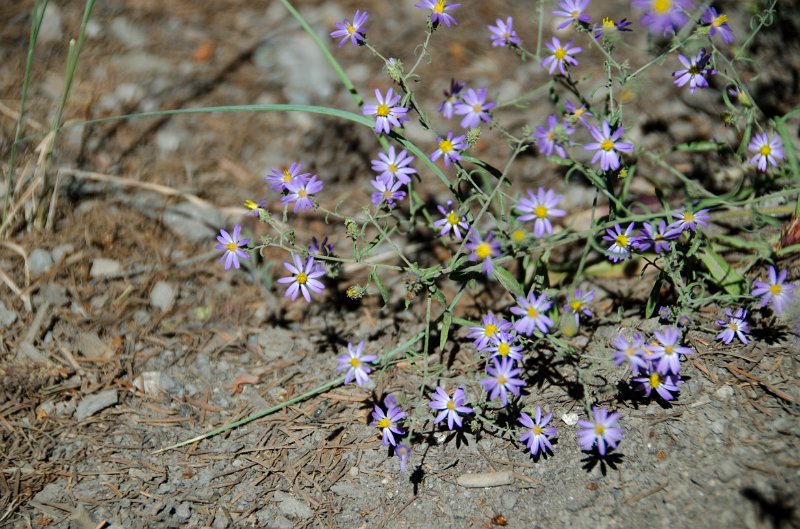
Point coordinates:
[[571, 419]]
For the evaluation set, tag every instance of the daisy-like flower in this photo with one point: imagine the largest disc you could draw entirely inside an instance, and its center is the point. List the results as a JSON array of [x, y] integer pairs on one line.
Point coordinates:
[[491, 327], [279, 179], [450, 407], [386, 421], [352, 31], [775, 290], [689, 220], [631, 351], [664, 16], [403, 452], [667, 350], [537, 434], [577, 114], [232, 244], [694, 71], [452, 221], [300, 192], [602, 431], [451, 97], [503, 33], [561, 55], [387, 112], [656, 237], [609, 27], [768, 150], [322, 247], [533, 311], [718, 23], [255, 207], [439, 11], [621, 242], [666, 386], [502, 379], [395, 165], [540, 208], [554, 137], [304, 277], [577, 303], [388, 191], [474, 107], [735, 327], [449, 148], [502, 345], [483, 250], [572, 11], [607, 145], [355, 363]]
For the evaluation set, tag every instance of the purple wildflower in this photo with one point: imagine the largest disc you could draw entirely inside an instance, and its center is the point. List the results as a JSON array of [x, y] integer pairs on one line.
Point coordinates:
[[388, 190], [300, 191], [694, 71], [573, 11], [439, 11], [503, 345], [489, 330], [451, 97], [304, 277], [356, 364], [718, 23], [387, 112], [353, 31], [631, 351], [255, 206], [768, 150], [279, 179], [387, 421], [402, 451], [483, 250], [688, 220], [621, 242], [450, 406], [502, 379], [451, 221], [656, 237], [576, 303], [602, 431], [450, 148], [608, 25], [577, 113], [666, 386], [539, 208], [664, 16], [607, 146], [395, 165], [735, 327], [554, 137], [667, 350], [322, 247], [741, 95], [533, 311], [474, 107], [232, 244], [561, 55], [775, 290], [537, 434], [503, 33]]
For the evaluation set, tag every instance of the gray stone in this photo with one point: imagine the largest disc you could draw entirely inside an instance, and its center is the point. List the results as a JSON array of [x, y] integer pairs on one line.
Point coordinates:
[[53, 293], [39, 262], [125, 32], [220, 520], [718, 427], [7, 316], [727, 469], [162, 296], [725, 392], [183, 511], [193, 222], [290, 506], [102, 267], [92, 404], [52, 28], [61, 251]]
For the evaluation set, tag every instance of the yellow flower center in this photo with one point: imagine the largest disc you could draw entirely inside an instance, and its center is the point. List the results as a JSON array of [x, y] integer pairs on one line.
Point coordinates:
[[661, 6], [477, 108], [655, 380], [579, 112], [232, 246], [775, 290], [490, 330], [599, 429], [439, 7], [518, 235], [452, 218], [451, 405], [688, 216], [249, 204], [503, 349], [287, 176], [351, 29], [607, 145], [537, 430], [502, 380], [608, 23], [540, 211], [575, 14], [694, 69], [383, 110], [301, 278], [621, 240], [445, 146], [384, 423], [392, 168], [388, 194], [576, 305], [560, 53], [765, 150], [718, 21], [302, 193], [669, 350], [630, 352], [733, 326], [532, 312], [355, 362], [483, 250]]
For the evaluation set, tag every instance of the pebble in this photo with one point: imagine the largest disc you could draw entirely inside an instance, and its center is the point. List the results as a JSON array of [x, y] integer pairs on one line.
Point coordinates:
[[125, 32], [39, 262], [52, 28], [92, 404], [162, 296], [718, 427], [220, 520], [154, 383], [183, 511], [102, 267], [193, 222], [291, 506], [61, 251], [7, 316], [725, 392], [486, 479]]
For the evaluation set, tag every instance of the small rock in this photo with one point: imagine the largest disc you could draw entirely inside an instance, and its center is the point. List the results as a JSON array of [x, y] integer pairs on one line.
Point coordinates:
[[168, 141], [486, 479], [125, 32], [91, 346], [61, 251], [54, 294], [193, 222], [727, 469], [183, 511], [162, 296], [102, 267], [40, 261], [154, 383], [52, 28], [353, 472], [570, 419], [725, 392], [291, 506], [220, 520], [718, 427], [92, 404], [7, 317]]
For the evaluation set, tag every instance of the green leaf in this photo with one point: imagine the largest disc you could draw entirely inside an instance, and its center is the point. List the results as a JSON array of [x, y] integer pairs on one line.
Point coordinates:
[[724, 274], [761, 247], [508, 281], [447, 319], [463, 322], [653, 298], [381, 287]]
